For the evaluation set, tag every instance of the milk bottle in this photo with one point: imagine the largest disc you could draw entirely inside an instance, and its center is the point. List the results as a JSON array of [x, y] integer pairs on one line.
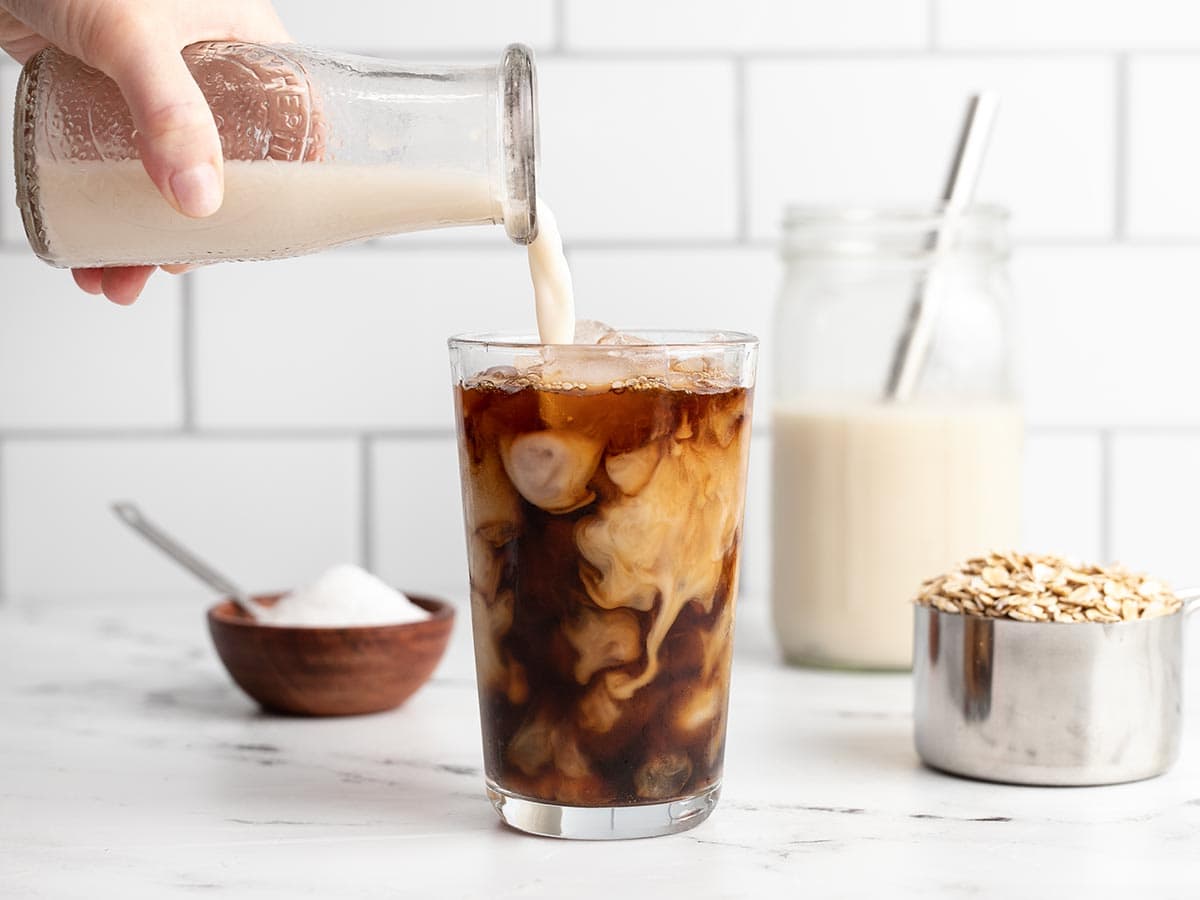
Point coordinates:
[[320, 149]]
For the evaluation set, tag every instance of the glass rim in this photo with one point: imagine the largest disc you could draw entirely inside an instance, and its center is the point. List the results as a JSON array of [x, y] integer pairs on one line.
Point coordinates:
[[664, 339]]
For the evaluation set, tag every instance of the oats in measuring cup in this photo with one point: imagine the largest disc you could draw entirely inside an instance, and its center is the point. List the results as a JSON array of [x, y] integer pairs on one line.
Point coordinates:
[[1044, 588]]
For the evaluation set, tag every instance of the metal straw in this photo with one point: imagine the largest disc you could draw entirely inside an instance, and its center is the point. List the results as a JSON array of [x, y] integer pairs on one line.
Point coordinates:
[[913, 347]]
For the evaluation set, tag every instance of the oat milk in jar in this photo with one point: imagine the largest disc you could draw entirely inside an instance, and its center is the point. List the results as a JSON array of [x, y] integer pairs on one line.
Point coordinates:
[[870, 496]]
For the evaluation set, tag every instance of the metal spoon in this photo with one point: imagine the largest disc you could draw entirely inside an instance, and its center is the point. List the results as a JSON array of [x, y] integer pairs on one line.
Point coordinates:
[[965, 171], [132, 516]]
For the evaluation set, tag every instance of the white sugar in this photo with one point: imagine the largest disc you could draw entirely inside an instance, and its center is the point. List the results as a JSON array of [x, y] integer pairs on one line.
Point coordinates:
[[344, 596]]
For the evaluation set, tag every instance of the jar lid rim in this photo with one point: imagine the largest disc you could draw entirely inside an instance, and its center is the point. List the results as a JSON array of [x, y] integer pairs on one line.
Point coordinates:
[[825, 214]]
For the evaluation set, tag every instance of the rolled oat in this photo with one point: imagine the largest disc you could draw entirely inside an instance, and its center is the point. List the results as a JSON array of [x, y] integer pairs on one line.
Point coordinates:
[[1043, 588]]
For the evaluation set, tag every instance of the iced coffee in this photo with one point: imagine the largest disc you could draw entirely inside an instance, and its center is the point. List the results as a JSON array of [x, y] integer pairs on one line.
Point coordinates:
[[603, 490]]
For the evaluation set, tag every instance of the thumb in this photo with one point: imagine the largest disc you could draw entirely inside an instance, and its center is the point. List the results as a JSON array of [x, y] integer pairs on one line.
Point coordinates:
[[176, 134]]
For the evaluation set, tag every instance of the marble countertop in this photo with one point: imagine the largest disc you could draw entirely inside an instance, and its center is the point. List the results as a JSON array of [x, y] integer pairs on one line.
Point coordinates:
[[131, 766]]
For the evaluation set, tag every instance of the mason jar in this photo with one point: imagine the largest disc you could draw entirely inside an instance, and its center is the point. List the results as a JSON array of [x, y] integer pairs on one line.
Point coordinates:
[[320, 149], [873, 493]]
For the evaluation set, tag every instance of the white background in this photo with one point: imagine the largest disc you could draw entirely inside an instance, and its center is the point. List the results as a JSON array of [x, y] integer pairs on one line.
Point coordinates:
[[285, 416]]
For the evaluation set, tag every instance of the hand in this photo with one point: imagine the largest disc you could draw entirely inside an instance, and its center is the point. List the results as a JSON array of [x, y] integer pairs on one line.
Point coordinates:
[[137, 43]]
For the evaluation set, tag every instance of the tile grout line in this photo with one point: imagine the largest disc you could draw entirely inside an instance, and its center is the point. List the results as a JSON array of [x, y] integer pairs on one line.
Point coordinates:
[[741, 151], [558, 50], [421, 434], [799, 54], [559, 13], [1120, 146], [708, 244], [366, 512], [1106, 548], [250, 433], [187, 373]]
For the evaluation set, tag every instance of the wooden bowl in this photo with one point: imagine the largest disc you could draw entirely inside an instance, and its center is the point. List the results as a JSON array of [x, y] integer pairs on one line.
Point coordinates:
[[329, 671]]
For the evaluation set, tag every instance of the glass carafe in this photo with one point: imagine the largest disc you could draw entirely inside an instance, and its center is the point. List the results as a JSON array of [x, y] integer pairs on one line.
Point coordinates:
[[320, 149], [871, 496]]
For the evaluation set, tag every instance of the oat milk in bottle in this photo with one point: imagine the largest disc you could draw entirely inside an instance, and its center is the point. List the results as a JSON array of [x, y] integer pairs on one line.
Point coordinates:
[[320, 149]]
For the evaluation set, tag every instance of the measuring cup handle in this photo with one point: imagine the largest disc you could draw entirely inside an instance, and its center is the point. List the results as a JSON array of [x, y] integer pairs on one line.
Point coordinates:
[[1191, 600]]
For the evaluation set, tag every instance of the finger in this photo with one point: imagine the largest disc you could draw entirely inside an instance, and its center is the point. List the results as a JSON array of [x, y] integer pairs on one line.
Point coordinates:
[[176, 133], [123, 284], [89, 280], [177, 269], [21, 49], [233, 20], [17, 37]]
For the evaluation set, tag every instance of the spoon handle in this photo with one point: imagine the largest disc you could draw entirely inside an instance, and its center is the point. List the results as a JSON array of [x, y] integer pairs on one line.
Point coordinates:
[[132, 516], [914, 345]]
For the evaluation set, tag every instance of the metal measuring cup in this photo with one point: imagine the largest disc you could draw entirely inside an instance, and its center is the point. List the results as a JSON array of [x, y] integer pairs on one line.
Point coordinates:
[[1048, 703]]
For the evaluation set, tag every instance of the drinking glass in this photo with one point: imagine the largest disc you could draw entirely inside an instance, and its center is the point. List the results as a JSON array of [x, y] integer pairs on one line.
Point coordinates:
[[603, 488]]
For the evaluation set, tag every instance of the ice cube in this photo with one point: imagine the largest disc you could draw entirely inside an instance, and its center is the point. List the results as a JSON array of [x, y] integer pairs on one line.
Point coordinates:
[[490, 501], [602, 640], [573, 365], [631, 471], [663, 776], [622, 339], [530, 748], [580, 364], [517, 690], [491, 618], [551, 469], [701, 707], [589, 331], [568, 758], [598, 711]]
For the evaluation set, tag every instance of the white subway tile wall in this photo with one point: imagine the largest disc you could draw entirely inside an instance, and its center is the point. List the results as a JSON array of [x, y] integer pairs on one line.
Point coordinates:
[[443, 26], [270, 513], [1164, 144], [1155, 493], [1062, 506], [1108, 334], [640, 150], [417, 526], [68, 361], [351, 339], [879, 130], [1067, 24], [720, 26], [284, 416]]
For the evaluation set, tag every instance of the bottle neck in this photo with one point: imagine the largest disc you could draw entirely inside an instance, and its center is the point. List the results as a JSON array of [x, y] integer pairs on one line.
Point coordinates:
[[518, 143]]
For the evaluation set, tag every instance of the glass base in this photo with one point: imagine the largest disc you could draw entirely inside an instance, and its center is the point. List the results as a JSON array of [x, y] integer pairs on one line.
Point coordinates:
[[834, 664], [602, 823]]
